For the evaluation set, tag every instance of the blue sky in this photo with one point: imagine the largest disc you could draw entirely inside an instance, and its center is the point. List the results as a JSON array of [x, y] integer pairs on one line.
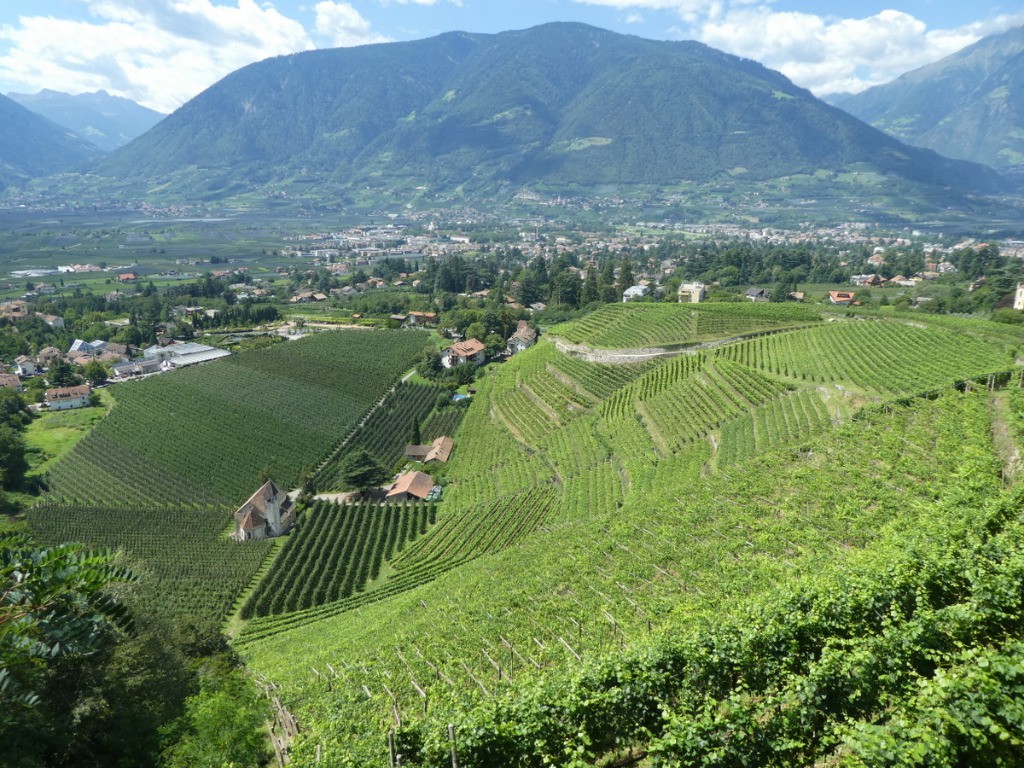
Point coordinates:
[[163, 52]]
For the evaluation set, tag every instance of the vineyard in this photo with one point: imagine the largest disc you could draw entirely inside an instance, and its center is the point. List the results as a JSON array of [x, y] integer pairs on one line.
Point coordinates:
[[881, 357], [336, 550], [188, 569], [205, 434], [632, 326], [589, 587], [388, 430]]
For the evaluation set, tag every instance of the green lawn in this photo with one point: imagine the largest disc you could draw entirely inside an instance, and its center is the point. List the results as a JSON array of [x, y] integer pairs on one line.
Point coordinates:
[[51, 435]]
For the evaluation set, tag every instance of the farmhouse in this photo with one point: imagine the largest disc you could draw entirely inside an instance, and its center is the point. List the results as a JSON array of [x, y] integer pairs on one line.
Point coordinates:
[[523, 338], [468, 351], [66, 398], [758, 294], [267, 513], [10, 380], [439, 450], [409, 486]]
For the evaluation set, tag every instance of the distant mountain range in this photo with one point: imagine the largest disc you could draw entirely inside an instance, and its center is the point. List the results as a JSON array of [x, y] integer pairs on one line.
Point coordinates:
[[107, 121], [969, 105], [32, 146], [560, 106]]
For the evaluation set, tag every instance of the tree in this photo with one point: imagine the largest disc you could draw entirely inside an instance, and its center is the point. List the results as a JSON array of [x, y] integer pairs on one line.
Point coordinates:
[[13, 465], [53, 603], [61, 374], [590, 292], [95, 372], [360, 471], [416, 437], [565, 289], [625, 278], [14, 410]]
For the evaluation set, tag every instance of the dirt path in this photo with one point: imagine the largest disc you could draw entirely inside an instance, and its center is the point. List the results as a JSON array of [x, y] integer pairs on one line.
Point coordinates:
[[1002, 436]]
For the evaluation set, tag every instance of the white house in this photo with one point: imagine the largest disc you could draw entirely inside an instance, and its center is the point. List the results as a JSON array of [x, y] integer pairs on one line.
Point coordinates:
[[523, 338], [691, 293], [468, 351], [25, 366], [635, 292], [66, 398], [267, 513], [1018, 299]]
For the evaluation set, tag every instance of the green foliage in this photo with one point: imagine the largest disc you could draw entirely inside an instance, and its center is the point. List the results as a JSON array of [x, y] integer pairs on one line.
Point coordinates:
[[222, 724], [360, 471], [54, 602]]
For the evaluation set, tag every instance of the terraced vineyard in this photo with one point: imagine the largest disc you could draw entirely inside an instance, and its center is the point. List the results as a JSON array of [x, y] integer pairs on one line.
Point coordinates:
[[632, 326], [280, 408], [188, 568], [882, 357]]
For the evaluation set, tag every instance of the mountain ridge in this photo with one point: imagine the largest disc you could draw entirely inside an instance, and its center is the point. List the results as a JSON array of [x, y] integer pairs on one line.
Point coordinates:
[[561, 105]]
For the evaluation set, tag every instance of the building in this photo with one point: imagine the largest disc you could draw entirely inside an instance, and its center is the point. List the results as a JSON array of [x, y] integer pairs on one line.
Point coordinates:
[[468, 351], [758, 294], [691, 293], [439, 450], [10, 380], [523, 338], [410, 486], [1018, 298], [66, 398], [635, 292], [266, 514], [841, 298], [182, 353], [25, 365]]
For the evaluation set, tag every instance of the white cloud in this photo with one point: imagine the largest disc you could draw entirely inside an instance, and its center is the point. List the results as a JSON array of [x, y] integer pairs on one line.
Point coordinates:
[[343, 25], [829, 55], [161, 52], [822, 53]]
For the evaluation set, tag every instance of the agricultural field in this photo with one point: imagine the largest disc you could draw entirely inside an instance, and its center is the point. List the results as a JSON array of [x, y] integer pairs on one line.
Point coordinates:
[[592, 509], [188, 568], [205, 434], [640, 325]]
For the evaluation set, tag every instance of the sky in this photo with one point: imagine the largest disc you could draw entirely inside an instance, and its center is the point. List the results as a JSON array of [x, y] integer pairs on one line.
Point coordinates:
[[161, 53]]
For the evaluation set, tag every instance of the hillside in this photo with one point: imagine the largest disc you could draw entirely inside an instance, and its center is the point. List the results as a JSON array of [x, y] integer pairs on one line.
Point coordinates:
[[560, 106], [32, 146], [968, 105], [107, 121], [629, 502]]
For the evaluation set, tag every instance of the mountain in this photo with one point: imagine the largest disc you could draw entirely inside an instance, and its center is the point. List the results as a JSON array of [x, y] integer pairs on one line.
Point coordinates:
[[32, 146], [561, 105], [969, 105], [107, 121]]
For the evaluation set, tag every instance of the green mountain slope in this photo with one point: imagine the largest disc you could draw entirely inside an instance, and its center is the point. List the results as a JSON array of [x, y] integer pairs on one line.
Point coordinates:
[[560, 105], [31, 146], [969, 105]]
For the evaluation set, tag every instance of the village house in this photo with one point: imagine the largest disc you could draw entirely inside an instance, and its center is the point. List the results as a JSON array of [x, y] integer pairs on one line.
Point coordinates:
[[10, 380], [15, 310], [635, 292], [841, 298], [66, 398], [47, 355], [523, 338], [691, 293], [439, 450], [25, 365], [461, 352], [410, 486], [266, 514], [757, 294], [422, 318], [54, 321], [1018, 297], [126, 277]]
